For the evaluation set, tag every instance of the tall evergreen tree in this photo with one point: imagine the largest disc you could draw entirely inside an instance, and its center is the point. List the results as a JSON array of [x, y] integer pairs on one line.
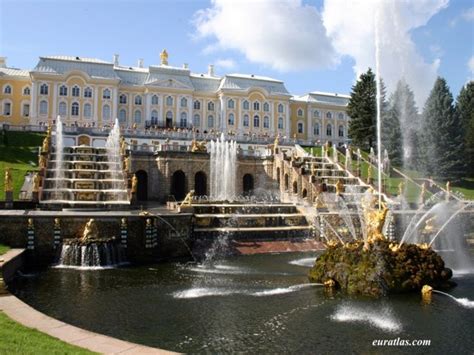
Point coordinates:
[[391, 131], [465, 110], [442, 134], [362, 109]]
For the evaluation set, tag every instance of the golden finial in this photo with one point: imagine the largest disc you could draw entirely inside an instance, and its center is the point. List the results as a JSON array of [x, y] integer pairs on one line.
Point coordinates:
[[164, 57]]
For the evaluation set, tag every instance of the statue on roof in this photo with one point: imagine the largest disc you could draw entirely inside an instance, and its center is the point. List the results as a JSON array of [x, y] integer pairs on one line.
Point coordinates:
[[164, 57]]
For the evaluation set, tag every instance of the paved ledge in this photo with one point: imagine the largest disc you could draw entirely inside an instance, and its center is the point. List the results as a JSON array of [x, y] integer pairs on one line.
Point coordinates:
[[10, 262]]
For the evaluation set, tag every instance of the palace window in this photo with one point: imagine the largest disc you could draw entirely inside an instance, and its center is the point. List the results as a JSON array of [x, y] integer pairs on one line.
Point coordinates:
[[7, 109], [154, 117], [25, 110], [122, 99], [245, 105], [300, 127], [280, 108], [138, 100], [340, 116], [63, 90], [280, 122], [106, 112], [44, 89], [246, 122], [169, 101], [197, 105], [210, 121], [62, 109], [341, 131], [75, 109], [184, 102], [316, 113], [43, 107], [256, 106], [88, 92], [7, 89], [197, 120], [137, 116], [266, 122], [316, 129], [328, 115], [122, 115], [231, 119], [26, 91], [210, 106], [154, 100], [266, 107], [256, 121], [183, 121], [230, 104], [300, 112], [87, 110], [329, 130], [106, 94], [76, 92]]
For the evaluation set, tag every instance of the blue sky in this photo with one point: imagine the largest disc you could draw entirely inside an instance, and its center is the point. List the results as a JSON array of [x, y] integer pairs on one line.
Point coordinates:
[[293, 46]]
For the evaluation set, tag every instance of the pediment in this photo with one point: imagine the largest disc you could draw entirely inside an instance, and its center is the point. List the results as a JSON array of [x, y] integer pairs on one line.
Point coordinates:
[[169, 83]]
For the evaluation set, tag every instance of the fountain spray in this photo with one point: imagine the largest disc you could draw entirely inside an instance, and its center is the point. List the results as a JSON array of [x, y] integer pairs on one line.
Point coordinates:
[[378, 97]]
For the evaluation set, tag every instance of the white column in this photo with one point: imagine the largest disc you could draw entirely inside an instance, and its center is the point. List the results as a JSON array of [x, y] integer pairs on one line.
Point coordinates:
[[190, 111], [55, 100], [287, 120], [96, 105], [33, 93], [114, 103]]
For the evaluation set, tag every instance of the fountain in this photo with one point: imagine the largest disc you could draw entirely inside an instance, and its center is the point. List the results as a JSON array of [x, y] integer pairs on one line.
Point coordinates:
[[223, 158]]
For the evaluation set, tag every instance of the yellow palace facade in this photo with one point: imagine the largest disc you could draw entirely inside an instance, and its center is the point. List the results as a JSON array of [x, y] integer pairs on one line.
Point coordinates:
[[91, 92]]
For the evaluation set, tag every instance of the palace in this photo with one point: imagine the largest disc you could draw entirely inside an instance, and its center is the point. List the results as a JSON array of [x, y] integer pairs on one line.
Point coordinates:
[[89, 92]]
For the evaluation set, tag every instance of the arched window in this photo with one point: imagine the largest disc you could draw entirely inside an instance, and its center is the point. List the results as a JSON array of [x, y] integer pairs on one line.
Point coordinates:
[[43, 107], [316, 113], [256, 106], [266, 107], [280, 108], [62, 109], [210, 121], [75, 109], [316, 128], [87, 92], [154, 117], [76, 92], [154, 100], [300, 127], [197, 105], [341, 131], [137, 116], [87, 110], [266, 122], [183, 120], [329, 130], [169, 101], [246, 122], [245, 105], [7, 89], [300, 112], [7, 108], [328, 115], [122, 115], [122, 99], [138, 100], [106, 112], [280, 122], [197, 120], [63, 90], [340, 116], [106, 94], [231, 119], [210, 106], [26, 91], [256, 121], [231, 104], [184, 102], [44, 89]]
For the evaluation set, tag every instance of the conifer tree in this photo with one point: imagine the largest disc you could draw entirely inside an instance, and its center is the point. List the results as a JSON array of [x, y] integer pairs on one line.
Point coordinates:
[[465, 110]]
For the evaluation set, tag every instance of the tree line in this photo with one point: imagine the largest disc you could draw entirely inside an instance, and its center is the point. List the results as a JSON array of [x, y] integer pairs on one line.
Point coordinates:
[[437, 142]]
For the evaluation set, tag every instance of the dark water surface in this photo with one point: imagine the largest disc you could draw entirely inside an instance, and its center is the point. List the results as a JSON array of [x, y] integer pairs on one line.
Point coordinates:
[[259, 303]]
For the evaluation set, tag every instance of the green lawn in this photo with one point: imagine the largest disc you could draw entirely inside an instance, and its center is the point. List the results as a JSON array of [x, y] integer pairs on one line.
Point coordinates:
[[17, 339], [465, 186], [19, 152], [3, 249]]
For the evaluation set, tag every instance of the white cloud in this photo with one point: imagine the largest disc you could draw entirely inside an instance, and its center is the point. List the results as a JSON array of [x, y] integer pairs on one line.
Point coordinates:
[[285, 34], [225, 63], [351, 26], [470, 65], [468, 15]]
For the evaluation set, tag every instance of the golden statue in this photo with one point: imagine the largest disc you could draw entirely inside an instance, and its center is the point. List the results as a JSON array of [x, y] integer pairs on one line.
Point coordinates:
[[126, 164], [401, 187], [57, 223], [134, 183], [339, 187], [448, 190], [90, 231], [330, 283], [36, 182], [123, 146], [30, 223], [275, 144], [188, 200], [8, 181], [426, 292], [42, 161], [198, 146], [164, 57], [123, 224], [45, 146], [374, 219], [423, 192], [429, 226]]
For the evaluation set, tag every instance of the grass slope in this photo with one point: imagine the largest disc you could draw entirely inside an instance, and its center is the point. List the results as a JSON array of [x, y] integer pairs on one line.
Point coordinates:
[[3, 249]]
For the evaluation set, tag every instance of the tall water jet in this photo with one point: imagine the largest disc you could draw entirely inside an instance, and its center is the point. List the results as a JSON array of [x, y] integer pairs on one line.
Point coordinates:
[[378, 97], [223, 159], [114, 157], [59, 164]]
